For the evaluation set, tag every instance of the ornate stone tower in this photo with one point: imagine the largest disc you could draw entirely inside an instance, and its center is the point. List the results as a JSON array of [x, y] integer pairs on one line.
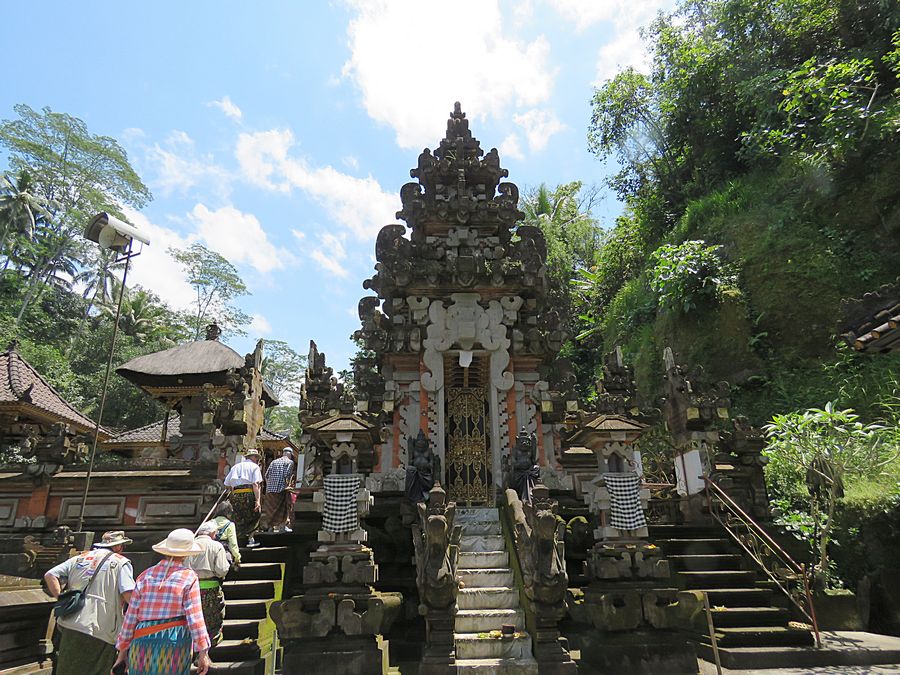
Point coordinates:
[[459, 327]]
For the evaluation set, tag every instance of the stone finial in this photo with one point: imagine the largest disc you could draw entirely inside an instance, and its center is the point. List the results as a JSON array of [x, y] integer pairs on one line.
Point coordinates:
[[213, 332]]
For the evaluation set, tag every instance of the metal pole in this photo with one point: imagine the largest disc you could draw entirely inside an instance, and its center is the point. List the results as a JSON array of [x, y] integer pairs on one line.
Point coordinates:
[[712, 633], [112, 351]]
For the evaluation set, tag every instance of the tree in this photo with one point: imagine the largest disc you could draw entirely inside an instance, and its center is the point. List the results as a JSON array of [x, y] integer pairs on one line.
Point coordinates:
[[830, 446], [75, 174], [144, 317], [283, 369], [19, 207], [217, 283]]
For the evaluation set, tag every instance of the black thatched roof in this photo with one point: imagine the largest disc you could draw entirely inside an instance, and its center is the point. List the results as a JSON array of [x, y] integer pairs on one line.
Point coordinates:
[[192, 358]]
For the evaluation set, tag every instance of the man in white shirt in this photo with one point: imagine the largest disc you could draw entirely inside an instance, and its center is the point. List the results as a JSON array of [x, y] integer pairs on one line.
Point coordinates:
[[211, 566], [244, 481], [88, 636]]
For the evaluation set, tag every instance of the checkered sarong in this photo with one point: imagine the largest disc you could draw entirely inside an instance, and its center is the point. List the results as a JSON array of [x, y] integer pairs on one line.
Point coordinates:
[[625, 512], [341, 514]]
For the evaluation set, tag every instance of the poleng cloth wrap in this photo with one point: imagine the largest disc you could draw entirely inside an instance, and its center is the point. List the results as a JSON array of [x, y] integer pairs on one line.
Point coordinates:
[[625, 512], [341, 513]]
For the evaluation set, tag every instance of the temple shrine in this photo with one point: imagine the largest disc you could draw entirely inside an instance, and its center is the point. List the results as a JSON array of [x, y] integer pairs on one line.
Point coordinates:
[[461, 508]]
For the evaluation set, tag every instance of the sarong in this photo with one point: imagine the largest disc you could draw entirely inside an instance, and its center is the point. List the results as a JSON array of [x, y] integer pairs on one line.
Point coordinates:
[[275, 508], [83, 654], [625, 510], [212, 601], [246, 517], [340, 513], [164, 652]]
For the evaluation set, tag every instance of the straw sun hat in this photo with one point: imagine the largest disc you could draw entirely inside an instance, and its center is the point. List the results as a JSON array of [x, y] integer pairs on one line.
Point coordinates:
[[179, 543]]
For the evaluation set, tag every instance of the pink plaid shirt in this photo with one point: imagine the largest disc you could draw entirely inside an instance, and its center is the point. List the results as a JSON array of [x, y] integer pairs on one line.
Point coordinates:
[[167, 590]]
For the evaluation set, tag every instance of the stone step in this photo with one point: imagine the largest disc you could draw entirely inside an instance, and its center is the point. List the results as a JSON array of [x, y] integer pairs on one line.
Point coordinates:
[[480, 513], [844, 648], [717, 579], [249, 590], [257, 571], [749, 616], [240, 629], [477, 646], [698, 546], [487, 598], [482, 620], [483, 559], [704, 562], [249, 667], [472, 527], [486, 578], [483, 543], [763, 636], [739, 597], [497, 666], [235, 650], [265, 554], [246, 609]]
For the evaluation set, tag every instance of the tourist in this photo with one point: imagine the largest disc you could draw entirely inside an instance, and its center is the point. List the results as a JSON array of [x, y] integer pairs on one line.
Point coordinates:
[[88, 636], [165, 619], [211, 566], [244, 480], [279, 481], [226, 532]]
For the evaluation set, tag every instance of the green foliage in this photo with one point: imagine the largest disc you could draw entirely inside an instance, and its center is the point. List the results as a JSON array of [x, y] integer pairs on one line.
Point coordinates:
[[826, 448], [217, 283], [283, 370], [688, 274]]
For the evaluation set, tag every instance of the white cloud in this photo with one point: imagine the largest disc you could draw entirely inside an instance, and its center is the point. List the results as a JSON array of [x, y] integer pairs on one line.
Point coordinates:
[[625, 47], [179, 168], [488, 69], [350, 162], [539, 127], [237, 236], [357, 204], [259, 325], [585, 13], [227, 106], [511, 147], [330, 253], [154, 268]]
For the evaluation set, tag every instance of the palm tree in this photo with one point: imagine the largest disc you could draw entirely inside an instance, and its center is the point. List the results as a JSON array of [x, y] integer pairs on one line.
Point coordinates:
[[19, 207], [143, 315]]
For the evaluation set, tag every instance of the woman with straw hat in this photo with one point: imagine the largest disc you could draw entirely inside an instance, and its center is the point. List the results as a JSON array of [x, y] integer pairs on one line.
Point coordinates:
[[165, 618]]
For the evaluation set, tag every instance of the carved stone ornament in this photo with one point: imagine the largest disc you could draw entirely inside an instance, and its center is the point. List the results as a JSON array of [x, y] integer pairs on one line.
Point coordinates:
[[463, 325]]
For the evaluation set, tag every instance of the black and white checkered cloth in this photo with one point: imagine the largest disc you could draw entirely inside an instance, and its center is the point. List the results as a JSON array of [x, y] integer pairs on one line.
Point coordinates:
[[625, 512], [341, 513]]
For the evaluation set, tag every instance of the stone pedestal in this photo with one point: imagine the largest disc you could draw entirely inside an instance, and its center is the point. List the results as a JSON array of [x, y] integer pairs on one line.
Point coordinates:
[[336, 630]]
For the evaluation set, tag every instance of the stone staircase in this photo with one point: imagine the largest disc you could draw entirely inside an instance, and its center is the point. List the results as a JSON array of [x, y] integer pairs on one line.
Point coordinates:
[[487, 600], [749, 614], [249, 643]]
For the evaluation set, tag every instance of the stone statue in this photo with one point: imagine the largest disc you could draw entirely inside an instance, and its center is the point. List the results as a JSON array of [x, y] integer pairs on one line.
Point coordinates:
[[436, 541], [423, 469], [522, 471]]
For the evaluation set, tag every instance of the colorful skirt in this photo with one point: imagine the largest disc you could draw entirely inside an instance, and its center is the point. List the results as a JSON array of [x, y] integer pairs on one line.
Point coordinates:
[[164, 652], [212, 601], [276, 506], [246, 517]]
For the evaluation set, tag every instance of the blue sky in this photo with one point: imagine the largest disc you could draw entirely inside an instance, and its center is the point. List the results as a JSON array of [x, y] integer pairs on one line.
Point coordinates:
[[279, 133]]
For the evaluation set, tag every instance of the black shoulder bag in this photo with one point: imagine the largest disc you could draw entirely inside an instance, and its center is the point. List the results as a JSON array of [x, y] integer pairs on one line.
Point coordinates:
[[72, 602]]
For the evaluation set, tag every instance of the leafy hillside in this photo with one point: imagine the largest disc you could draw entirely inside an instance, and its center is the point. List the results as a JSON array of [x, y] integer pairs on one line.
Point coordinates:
[[761, 174]]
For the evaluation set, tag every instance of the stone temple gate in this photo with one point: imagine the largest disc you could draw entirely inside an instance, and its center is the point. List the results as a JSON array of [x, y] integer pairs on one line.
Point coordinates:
[[459, 326]]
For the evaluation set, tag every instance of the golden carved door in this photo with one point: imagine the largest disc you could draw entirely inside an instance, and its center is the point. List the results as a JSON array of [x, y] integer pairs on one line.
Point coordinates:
[[468, 459]]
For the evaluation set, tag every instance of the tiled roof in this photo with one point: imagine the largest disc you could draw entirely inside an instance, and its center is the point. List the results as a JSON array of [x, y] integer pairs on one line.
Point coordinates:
[[151, 433], [872, 323], [20, 383]]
